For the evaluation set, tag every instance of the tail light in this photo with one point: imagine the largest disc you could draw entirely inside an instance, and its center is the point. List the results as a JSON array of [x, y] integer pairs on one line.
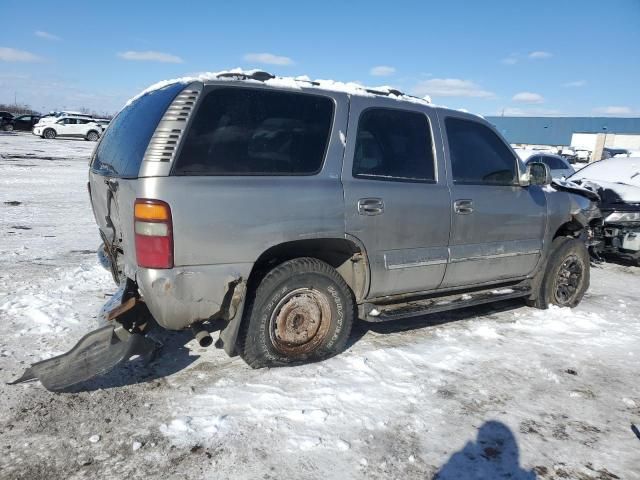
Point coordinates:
[[154, 234]]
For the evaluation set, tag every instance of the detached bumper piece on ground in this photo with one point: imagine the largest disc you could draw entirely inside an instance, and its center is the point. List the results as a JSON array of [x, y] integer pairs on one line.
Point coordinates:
[[98, 351]]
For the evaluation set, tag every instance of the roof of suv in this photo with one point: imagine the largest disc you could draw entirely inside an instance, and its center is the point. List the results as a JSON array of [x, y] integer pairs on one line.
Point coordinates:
[[77, 117], [293, 83]]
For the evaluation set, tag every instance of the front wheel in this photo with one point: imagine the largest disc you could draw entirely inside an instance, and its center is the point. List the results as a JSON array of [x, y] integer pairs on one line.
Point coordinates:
[[49, 134], [566, 277], [8, 127], [302, 311]]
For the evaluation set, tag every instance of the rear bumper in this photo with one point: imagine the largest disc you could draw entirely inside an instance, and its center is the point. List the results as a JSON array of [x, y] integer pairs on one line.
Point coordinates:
[[180, 296]]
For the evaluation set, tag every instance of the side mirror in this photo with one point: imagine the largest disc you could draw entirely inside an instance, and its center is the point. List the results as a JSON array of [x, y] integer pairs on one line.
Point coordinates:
[[539, 173]]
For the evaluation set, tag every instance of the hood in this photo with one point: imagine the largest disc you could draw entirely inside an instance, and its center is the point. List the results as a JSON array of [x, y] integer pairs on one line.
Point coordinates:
[[615, 180], [572, 187], [613, 192]]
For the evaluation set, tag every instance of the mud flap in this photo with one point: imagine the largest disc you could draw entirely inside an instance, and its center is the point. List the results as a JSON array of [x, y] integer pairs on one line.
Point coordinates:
[[95, 353]]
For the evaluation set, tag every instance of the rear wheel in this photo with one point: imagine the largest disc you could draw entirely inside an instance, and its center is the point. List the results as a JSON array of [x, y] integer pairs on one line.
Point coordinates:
[[49, 134], [93, 136], [567, 275], [302, 311]]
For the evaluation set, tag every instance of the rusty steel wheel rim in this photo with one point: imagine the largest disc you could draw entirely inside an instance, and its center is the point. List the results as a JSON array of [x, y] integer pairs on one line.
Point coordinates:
[[300, 321], [568, 280]]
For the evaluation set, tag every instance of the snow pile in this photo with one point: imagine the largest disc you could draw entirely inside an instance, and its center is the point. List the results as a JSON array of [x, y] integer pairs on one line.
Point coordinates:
[[188, 431]]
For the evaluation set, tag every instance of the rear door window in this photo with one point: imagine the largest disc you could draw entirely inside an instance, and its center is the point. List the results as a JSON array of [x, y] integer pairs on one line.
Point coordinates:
[[246, 131], [120, 152], [393, 145], [478, 155]]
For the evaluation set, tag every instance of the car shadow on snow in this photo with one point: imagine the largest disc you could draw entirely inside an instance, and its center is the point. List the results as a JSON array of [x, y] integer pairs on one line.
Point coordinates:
[[493, 455], [360, 328]]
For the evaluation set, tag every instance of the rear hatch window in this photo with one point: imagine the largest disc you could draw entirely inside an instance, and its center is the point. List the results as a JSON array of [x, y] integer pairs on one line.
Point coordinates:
[[120, 152]]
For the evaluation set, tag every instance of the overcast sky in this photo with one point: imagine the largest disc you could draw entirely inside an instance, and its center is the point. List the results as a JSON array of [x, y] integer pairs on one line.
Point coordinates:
[[573, 57]]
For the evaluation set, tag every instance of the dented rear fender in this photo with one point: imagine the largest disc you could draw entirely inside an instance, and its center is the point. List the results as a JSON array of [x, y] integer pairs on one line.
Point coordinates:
[[180, 296]]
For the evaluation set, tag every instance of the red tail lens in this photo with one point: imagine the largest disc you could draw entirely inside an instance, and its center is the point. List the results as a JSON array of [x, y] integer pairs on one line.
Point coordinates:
[[154, 234]]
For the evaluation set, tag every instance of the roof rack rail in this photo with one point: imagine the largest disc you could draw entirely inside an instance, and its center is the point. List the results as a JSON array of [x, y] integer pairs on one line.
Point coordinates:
[[390, 91], [257, 75], [310, 82]]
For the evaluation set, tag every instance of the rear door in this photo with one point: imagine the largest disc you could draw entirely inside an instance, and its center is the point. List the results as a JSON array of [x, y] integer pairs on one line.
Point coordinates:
[[397, 201], [497, 225]]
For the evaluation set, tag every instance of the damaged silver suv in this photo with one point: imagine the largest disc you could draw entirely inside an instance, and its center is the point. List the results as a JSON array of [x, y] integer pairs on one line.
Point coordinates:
[[284, 209]]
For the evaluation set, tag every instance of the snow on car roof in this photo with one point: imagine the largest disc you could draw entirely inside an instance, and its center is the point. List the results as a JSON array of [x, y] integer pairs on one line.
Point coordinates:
[[294, 83]]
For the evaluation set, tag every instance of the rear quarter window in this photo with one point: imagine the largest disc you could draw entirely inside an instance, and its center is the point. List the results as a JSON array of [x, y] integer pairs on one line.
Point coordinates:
[[246, 131], [120, 152]]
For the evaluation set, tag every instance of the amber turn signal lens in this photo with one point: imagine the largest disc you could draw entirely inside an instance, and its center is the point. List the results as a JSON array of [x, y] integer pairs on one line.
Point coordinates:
[[151, 211]]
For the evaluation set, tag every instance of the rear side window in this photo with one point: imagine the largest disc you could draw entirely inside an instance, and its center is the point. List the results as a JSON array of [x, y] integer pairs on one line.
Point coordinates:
[[120, 152], [244, 131], [393, 145], [478, 155]]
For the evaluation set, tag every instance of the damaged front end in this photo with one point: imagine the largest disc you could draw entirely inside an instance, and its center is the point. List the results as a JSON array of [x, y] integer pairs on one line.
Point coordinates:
[[616, 182], [620, 233], [101, 350], [586, 216]]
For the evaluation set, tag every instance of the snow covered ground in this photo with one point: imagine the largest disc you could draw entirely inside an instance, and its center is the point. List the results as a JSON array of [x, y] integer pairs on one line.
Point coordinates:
[[503, 391]]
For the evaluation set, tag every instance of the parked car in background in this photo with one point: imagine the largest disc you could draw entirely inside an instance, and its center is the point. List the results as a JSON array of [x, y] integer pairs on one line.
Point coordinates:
[[53, 117], [583, 155], [559, 166], [103, 122], [22, 122], [5, 119], [617, 182], [609, 152], [69, 126], [569, 154]]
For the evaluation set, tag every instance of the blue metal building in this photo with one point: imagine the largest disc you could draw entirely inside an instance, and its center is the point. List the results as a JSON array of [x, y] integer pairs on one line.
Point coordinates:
[[558, 130]]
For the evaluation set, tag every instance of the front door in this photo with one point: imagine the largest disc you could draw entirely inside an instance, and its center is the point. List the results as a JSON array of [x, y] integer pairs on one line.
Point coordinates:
[[397, 199], [66, 126], [497, 225]]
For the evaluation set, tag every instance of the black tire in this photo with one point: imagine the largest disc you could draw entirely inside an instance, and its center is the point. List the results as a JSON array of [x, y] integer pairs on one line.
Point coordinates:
[[49, 134], [8, 127], [92, 136], [302, 311], [566, 276]]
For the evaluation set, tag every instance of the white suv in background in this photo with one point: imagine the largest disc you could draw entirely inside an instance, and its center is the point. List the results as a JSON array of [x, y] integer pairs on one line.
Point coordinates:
[[53, 117], [69, 126]]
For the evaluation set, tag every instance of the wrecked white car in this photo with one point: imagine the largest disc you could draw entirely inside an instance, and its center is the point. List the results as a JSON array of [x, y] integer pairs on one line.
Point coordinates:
[[617, 183]]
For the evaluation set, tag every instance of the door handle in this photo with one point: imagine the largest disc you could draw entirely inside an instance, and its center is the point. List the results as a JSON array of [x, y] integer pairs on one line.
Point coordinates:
[[463, 207], [370, 206]]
